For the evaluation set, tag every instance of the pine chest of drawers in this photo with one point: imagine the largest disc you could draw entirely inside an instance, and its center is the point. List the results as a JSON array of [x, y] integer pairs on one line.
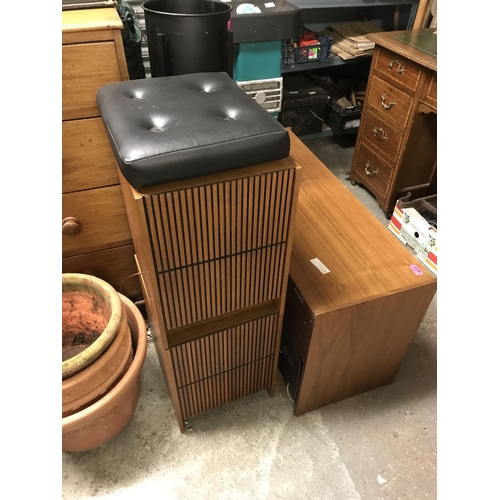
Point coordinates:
[[96, 237]]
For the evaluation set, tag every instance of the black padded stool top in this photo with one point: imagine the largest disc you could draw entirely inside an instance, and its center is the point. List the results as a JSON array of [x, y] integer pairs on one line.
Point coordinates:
[[177, 127]]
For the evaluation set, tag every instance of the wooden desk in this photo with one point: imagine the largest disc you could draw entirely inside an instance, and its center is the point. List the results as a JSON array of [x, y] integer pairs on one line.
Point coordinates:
[[396, 146], [351, 326]]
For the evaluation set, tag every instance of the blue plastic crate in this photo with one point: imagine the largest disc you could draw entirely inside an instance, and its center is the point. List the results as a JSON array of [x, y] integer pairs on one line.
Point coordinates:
[[291, 54]]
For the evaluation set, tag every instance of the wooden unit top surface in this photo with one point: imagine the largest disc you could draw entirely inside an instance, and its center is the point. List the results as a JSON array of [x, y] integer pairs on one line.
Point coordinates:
[[90, 19], [388, 39], [365, 259], [238, 173]]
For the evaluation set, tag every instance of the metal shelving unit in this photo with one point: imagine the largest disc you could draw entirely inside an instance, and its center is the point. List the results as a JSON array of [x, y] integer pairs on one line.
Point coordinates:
[[317, 14], [390, 15], [328, 4]]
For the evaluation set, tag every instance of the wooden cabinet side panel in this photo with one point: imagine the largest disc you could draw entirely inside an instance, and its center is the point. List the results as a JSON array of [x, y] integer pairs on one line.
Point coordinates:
[[419, 159], [286, 269], [116, 266], [120, 55], [138, 228], [360, 348]]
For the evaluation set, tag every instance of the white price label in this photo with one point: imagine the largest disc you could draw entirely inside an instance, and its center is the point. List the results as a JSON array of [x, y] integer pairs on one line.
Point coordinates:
[[323, 269]]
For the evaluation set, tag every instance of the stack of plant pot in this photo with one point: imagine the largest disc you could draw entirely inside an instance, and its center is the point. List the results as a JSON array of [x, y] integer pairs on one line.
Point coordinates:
[[104, 342]]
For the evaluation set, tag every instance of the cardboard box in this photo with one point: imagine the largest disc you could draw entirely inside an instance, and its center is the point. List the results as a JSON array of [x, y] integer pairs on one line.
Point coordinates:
[[415, 231]]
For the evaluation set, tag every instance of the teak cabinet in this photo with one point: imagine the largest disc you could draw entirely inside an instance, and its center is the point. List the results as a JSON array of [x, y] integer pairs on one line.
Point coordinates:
[[350, 318], [213, 255], [96, 237], [396, 148]]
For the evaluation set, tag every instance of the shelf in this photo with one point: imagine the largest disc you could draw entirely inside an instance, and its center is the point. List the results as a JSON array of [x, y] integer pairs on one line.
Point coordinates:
[[333, 61], [328, 4]]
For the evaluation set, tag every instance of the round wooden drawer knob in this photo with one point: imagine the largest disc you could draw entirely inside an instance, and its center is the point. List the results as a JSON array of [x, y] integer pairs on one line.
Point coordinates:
[[71, 226]]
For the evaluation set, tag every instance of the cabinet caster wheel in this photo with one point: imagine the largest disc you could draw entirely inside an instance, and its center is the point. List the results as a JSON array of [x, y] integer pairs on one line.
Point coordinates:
[[353, 182], [187, 425], [388, 215]]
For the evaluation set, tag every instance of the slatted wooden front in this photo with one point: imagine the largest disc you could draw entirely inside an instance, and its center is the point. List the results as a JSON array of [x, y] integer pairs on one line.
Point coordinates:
[[225, 366], [219, 247]]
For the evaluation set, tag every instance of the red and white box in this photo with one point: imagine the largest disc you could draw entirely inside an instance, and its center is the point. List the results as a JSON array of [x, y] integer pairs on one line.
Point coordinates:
[[416, 233]]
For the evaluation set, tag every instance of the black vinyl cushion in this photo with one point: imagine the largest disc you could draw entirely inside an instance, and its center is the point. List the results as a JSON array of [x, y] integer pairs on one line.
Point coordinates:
[[178, 127]]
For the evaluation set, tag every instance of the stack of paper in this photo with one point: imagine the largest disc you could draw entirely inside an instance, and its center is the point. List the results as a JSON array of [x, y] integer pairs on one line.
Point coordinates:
[[349, 40]]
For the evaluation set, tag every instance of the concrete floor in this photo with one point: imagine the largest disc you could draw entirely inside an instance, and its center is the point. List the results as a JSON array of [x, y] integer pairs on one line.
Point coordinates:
[[378, 445]]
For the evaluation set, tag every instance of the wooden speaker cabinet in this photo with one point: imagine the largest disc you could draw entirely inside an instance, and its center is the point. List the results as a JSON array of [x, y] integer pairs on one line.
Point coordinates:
[[356, 296], [213, 255]]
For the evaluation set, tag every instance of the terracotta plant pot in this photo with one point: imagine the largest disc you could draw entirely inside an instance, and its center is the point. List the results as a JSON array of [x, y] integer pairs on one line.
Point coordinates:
[[91, 318], [88, 304], [90, 384], [103, 420]]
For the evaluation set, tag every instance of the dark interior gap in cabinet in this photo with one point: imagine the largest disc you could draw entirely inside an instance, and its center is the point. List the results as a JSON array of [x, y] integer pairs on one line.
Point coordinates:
[[418, 164]]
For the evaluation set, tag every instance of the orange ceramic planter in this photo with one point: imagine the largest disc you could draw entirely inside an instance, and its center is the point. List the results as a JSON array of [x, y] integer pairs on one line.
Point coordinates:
[[104, 419], [90, 312], [91, 318], [88, 385]]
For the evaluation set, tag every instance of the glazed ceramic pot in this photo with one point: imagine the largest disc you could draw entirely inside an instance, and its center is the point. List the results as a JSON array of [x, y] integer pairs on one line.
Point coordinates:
[[104, 419], [92, 315]]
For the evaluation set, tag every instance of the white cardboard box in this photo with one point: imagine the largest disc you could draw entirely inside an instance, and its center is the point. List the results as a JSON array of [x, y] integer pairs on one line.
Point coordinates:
[[416, 233]]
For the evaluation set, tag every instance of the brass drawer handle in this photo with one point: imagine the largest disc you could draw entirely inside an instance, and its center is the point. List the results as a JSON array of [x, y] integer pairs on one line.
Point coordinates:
[[391, 105], [368, 173], [401, 68], [71, 226], [381, 130]]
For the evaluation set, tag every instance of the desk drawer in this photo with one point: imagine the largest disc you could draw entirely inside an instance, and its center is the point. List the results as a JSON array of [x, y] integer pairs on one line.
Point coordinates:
[[380, 135], [85, 68], [430, 91], [87, 159], [101, 217], [372, 171], [398, 69], [389, 102]]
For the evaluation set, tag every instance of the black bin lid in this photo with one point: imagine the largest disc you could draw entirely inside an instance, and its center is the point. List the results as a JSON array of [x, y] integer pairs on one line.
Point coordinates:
[[277, 20]]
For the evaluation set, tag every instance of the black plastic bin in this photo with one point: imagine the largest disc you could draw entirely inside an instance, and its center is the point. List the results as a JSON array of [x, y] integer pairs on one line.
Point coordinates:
[[188, 36], [342, 120], [303, 106]]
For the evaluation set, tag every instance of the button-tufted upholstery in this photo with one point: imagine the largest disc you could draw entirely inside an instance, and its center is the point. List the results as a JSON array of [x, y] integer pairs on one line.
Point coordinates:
[[178, 127]]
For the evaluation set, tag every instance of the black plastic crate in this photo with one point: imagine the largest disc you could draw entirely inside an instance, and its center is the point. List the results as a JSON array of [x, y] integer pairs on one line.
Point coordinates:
[[303, 105], [342, 120], [292, 54]]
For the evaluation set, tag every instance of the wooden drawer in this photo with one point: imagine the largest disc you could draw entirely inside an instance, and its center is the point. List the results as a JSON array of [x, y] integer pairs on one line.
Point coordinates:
[[113, 266], [397, 69], [85, 68], [102, 218], [380, 135], [372, 171], [226, 365], [430, 91], [389, 102], [87, 158]]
